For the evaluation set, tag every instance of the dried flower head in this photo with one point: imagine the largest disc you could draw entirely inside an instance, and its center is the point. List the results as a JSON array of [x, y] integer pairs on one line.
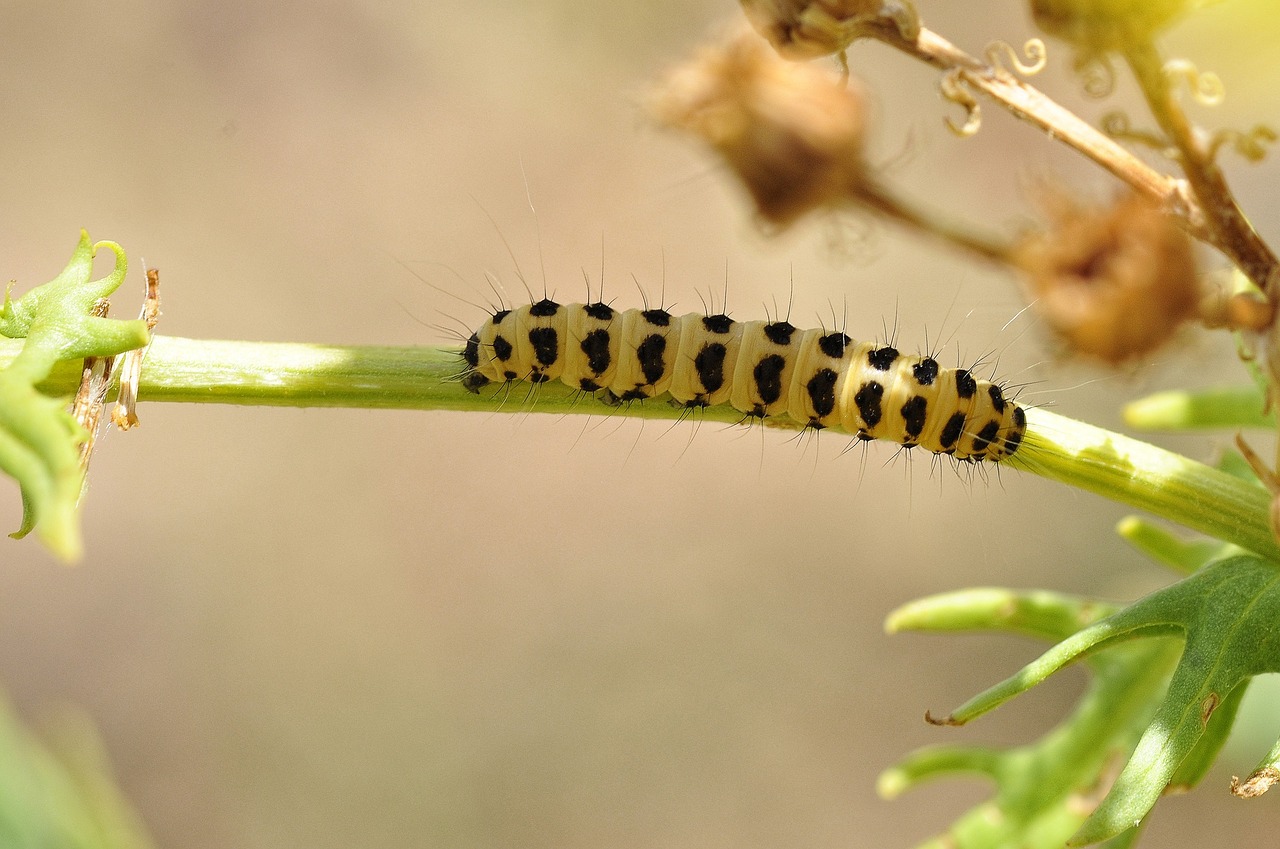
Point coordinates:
[[792, 133], [1113, 283], [1102, 26], [806, 29]]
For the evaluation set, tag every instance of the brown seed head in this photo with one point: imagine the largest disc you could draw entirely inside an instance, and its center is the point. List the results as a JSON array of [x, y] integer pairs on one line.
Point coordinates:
[[792, 133], [806, 29], [1114, 283], [1101, 26]]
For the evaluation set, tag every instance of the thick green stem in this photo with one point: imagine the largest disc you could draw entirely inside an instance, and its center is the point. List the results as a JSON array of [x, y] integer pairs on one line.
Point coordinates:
[[1152, 479], [300, 375], [288, 374]]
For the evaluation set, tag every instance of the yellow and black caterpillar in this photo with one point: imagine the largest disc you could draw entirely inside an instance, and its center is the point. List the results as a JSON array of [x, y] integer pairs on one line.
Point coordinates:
[[819, 378]]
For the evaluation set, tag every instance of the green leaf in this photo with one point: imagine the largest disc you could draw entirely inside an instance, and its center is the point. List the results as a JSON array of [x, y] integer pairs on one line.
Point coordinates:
[[39, 439], [1037, 613], [1044, 791], [1235, 464], [1234, 407], [61, 797], [1160, 545], [1227, 614], [1197, 762], [1125, 840]]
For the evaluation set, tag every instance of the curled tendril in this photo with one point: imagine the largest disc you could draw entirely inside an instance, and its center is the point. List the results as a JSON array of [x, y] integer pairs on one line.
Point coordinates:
[[1206, 88], [955, 89], [1098, 75], [1251, 146], [1000, 52], [1116, 125]]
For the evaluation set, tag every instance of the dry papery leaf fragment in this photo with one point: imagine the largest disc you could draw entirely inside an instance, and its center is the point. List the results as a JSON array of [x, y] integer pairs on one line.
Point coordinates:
[[807, 29], [1255, 784], [1113, 283], [793, 133]]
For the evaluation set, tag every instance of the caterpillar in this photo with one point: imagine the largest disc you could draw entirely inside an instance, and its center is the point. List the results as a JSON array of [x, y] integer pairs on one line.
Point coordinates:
[[819, 378]]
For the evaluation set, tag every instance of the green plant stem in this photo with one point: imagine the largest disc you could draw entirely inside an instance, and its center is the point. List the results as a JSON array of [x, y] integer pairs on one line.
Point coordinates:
[[1149, 478], [303, 375], [288, 374]]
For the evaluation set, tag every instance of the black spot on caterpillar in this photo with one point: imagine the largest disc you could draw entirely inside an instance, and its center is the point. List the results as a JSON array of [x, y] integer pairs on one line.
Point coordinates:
[[819, 378]]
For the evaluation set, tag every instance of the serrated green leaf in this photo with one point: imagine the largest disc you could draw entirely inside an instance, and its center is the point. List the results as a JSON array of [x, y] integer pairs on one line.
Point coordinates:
[[1202, 756], [1044, 791], [39, 440], [1227, 615], [39, 447]]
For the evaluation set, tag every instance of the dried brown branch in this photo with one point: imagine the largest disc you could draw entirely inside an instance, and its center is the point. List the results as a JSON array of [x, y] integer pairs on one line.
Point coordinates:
[[1173, 195], [878, 197], [1229, 229]]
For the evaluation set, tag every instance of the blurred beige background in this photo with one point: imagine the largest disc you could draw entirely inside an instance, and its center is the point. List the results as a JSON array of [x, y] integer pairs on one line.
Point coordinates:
[[317, 628]]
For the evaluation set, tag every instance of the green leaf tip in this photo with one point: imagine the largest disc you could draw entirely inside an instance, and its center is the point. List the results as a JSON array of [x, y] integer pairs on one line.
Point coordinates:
[[1232, 407], [1045, 790], [39, 439], [1227, 612], [934, 762], [1185, 556], [1037, 613], [1224, 615]]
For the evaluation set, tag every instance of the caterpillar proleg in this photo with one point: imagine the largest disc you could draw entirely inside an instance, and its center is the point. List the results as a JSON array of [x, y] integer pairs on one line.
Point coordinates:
[[819, 378]]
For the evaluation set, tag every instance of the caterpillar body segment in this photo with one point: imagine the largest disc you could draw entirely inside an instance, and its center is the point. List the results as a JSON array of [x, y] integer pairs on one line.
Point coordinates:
[[490, 352], [823, 360], [591, 355], [766, 367], [705, 368], [647, 354], [819, 378], [539, 331]]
